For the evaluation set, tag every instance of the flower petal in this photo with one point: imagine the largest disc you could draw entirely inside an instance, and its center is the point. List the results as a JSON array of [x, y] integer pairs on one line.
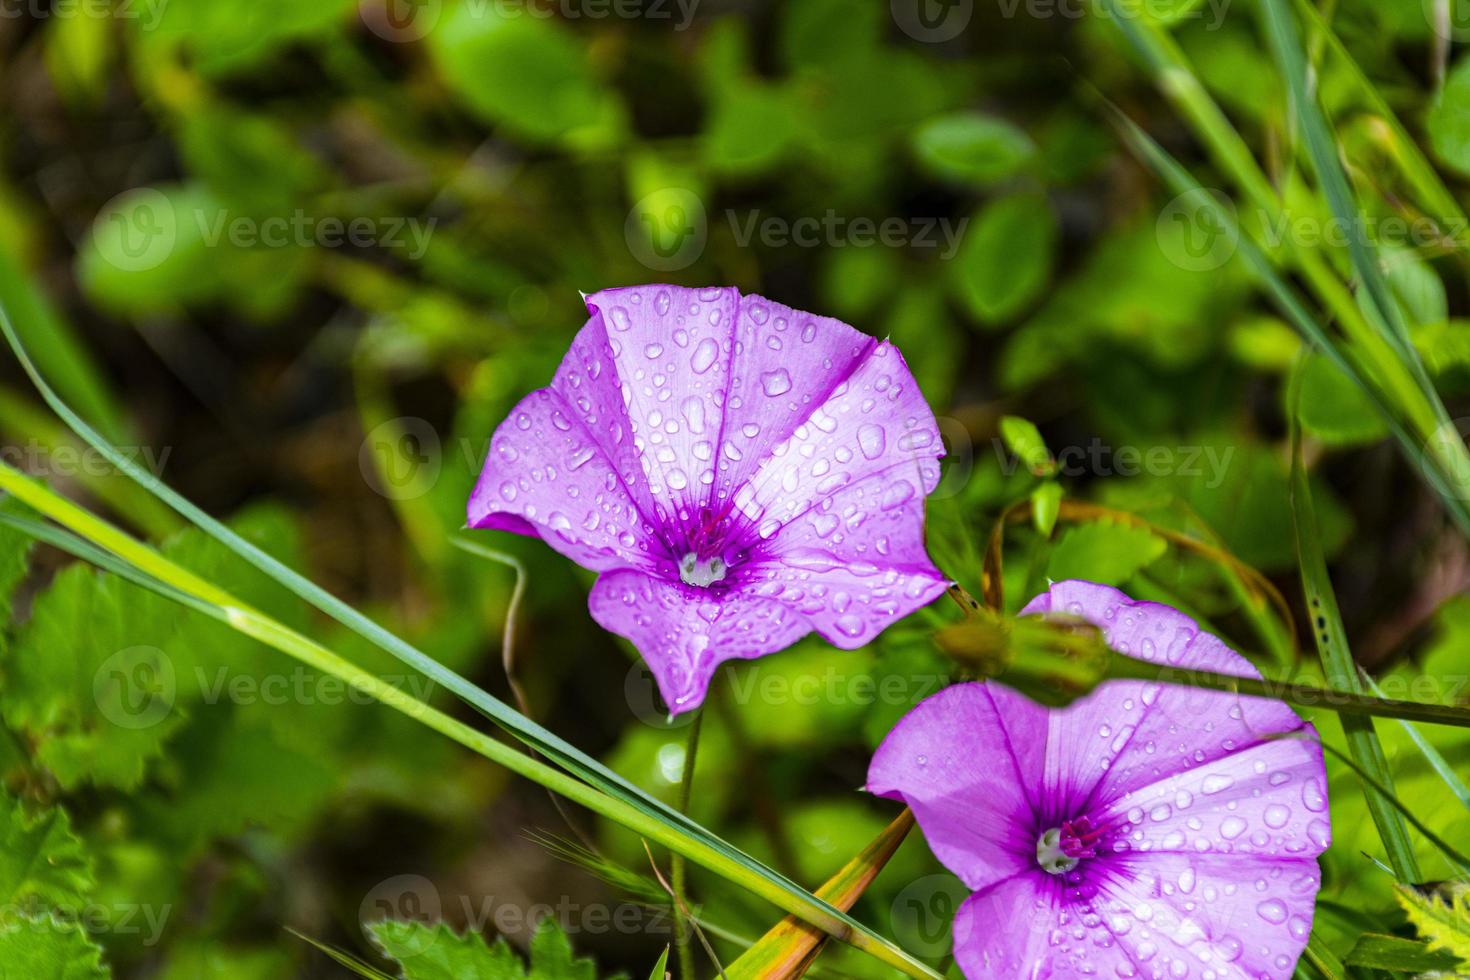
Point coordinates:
[[545, 473], [962, 761], [1005, 931], [667, 356], [1196, 917], [874, 423], [1128, 734], [853, 563], [684, 633], [1267, 800]]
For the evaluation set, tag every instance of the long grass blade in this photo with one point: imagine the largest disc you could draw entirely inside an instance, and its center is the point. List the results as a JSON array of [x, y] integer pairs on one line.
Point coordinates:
[[1437, 762], [1291, 305], [1340, 670]]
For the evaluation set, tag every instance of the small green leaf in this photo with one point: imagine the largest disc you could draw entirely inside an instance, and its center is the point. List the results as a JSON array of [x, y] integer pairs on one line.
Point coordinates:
[[661, 968], [47, 948], [1006, 258], [436, 952], [1449, 119], [41, 861], [971, 147], [1441, 917], [524, 72], [1334, 409], [1024, 439], [1397, 955], [1103, 552], [1046, 504]]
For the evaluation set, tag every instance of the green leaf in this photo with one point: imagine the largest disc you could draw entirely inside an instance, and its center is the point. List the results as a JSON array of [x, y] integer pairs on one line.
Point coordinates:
[[99, 702], [1024, 439], [47, 948], [221, 37], [973, 148], [1398, 955], [1340, 670], [436, 952], [1334, 408], [1442, 917], [1046, 503], [526, 73], [41, 861], [749, 129], [1006, 258], [1104, 552], [1449, 120]]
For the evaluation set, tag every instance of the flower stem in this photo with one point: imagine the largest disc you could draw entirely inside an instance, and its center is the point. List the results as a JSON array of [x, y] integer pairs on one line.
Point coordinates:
[[680, 875]]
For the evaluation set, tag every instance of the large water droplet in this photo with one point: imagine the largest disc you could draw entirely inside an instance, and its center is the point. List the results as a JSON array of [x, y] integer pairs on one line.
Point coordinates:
[[872, 440], [705, 353], [777, 382]]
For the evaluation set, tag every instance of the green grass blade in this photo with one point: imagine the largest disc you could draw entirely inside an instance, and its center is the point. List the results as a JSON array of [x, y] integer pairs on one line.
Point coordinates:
[[1341, 672], [1287, 300], [1436, 761]]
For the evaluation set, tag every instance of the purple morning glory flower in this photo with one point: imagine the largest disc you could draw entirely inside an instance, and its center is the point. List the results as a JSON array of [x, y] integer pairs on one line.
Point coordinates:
[[739, 472], [1146, 831]]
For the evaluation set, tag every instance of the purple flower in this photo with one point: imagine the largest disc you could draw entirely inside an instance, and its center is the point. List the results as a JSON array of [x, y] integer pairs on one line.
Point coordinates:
[[740, 473], [1147, 831]]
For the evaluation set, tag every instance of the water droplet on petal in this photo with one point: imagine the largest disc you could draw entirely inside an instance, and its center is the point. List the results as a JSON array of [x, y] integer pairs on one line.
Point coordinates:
[[776, 382], [704, 356]]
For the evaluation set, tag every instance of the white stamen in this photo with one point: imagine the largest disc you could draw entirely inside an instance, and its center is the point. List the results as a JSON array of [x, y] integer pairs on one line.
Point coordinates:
[[701, 574], [1051, 857]]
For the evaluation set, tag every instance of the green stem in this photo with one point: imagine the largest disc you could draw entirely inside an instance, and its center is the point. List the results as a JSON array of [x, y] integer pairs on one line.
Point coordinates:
[[253, 623], [682, 909], [1123, 667]]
